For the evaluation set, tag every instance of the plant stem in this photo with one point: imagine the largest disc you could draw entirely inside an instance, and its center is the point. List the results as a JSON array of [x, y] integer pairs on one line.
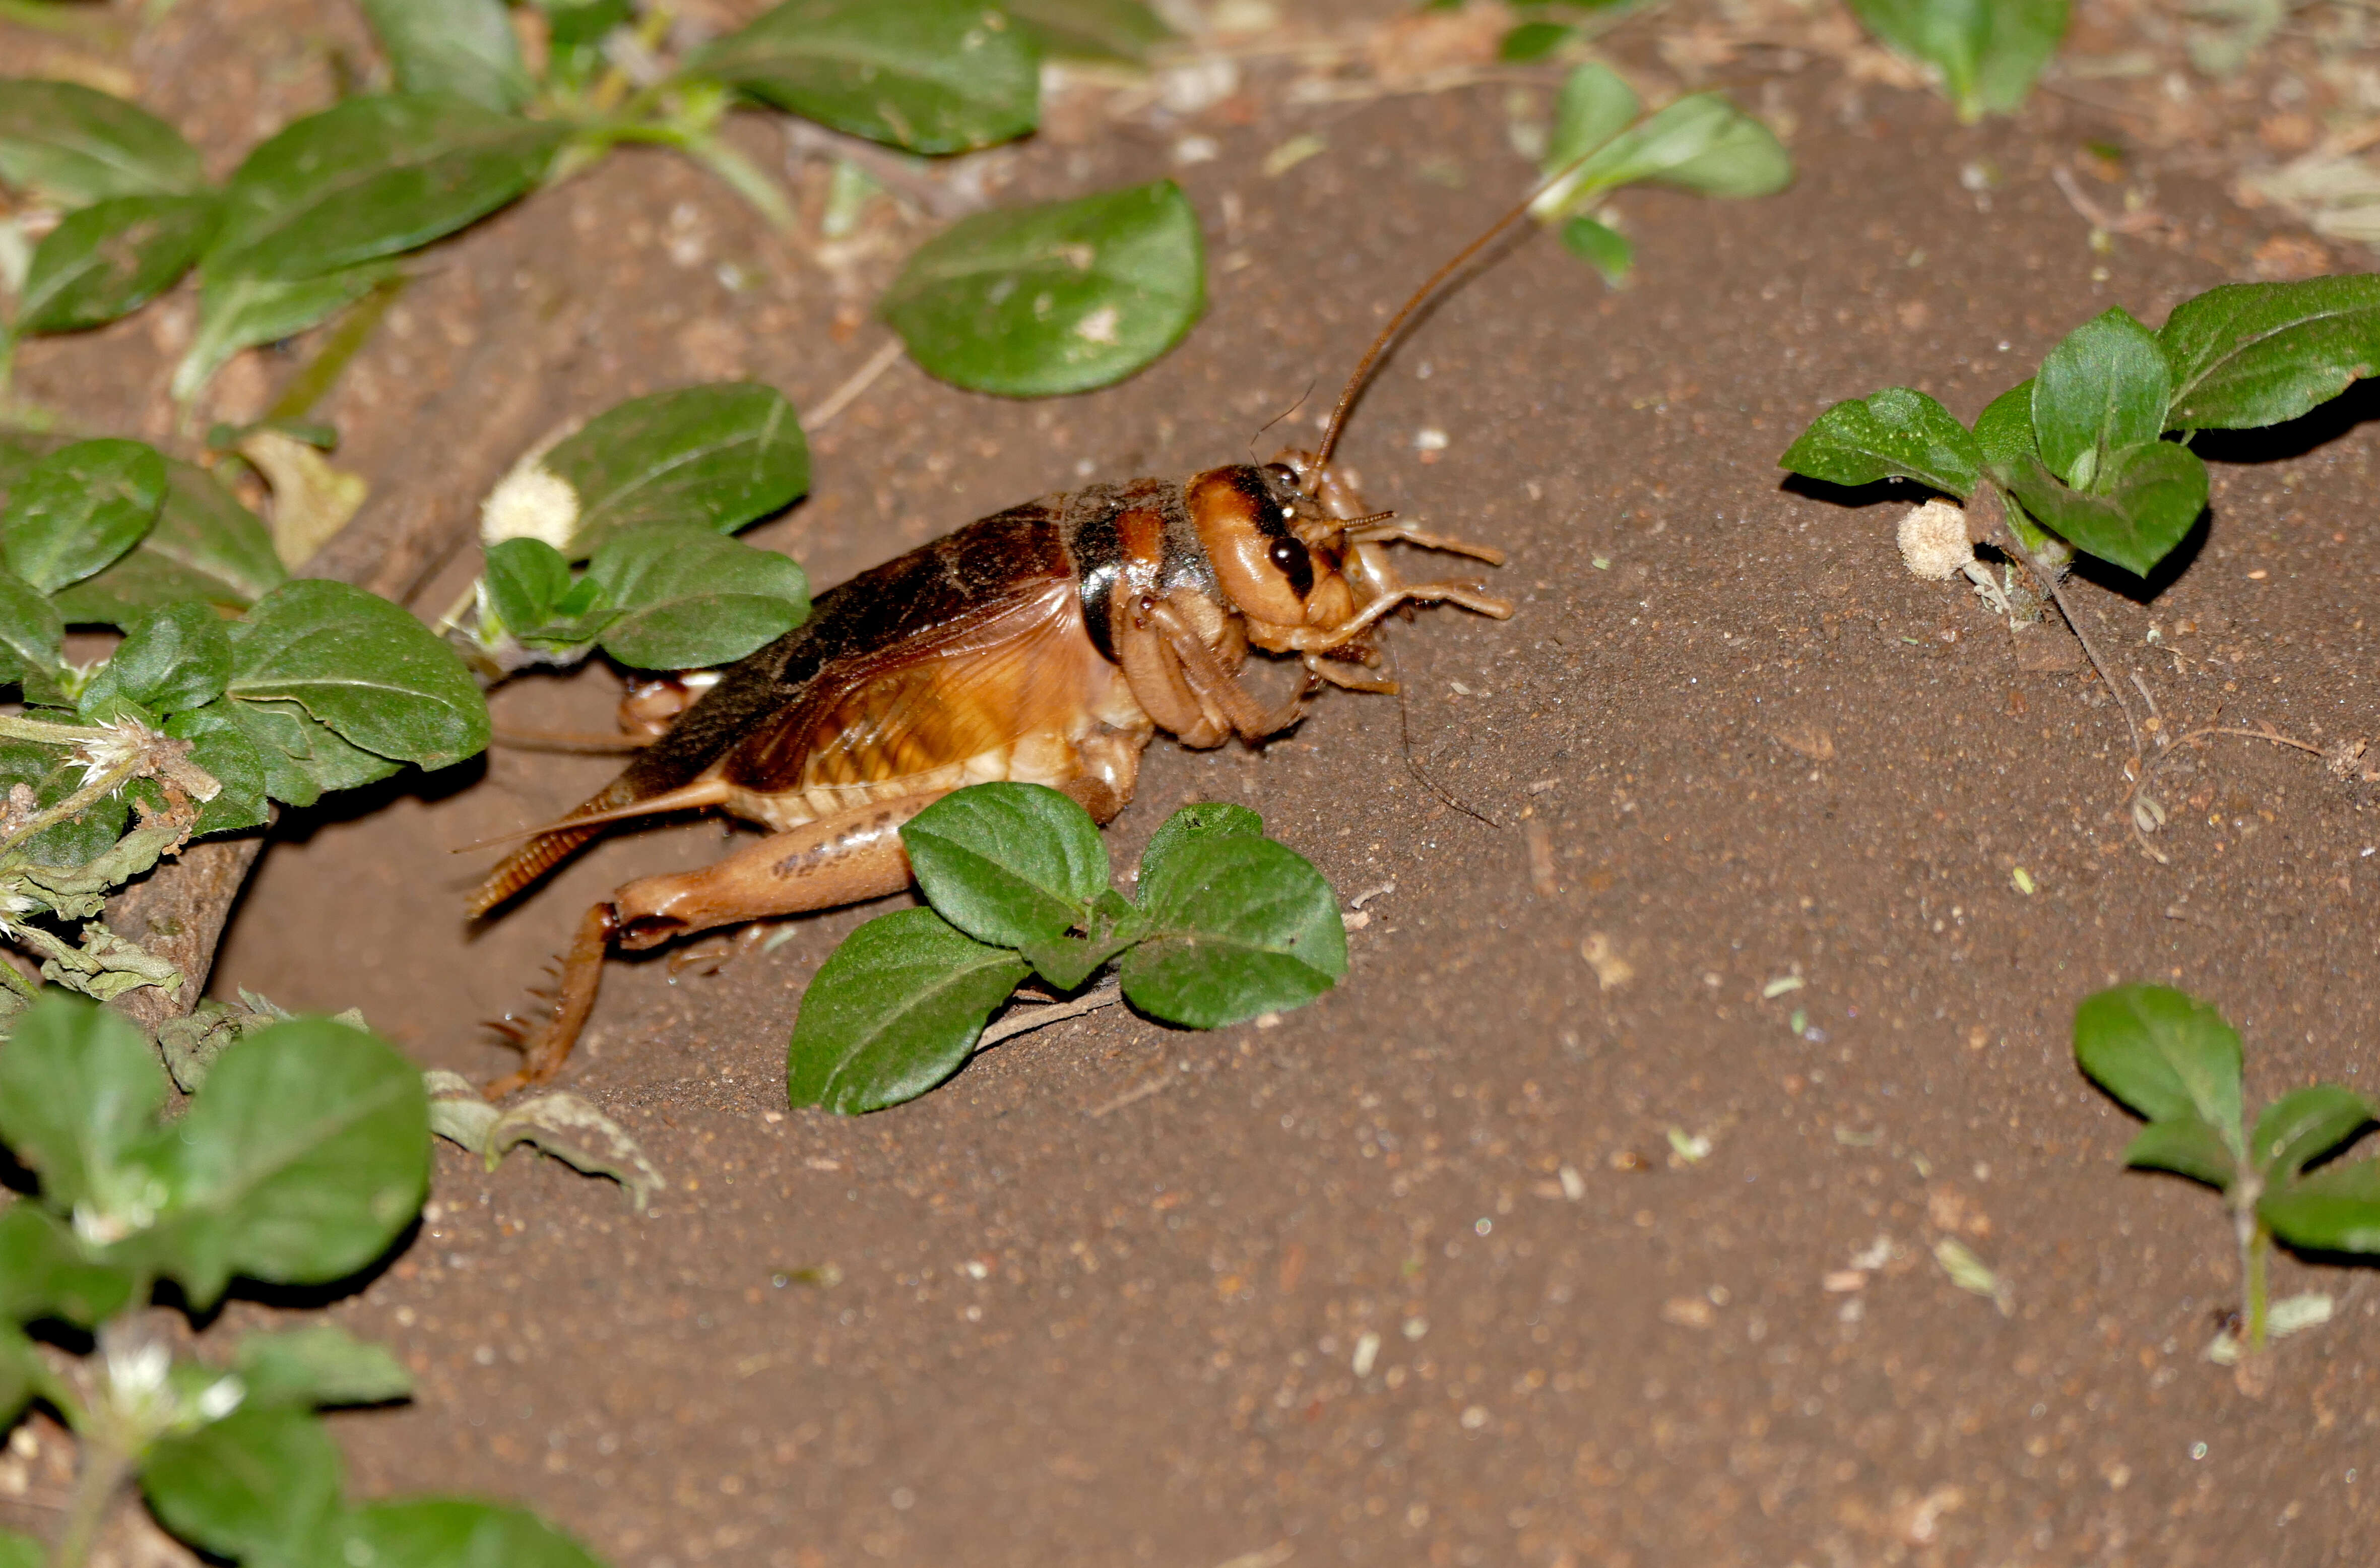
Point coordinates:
[[100, 786], [744, 176], [100, 1474], [15, 727], [2255, 1248]]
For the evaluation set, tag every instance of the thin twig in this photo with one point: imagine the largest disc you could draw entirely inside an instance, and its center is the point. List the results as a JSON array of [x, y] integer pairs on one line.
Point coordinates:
[[858, 381], [1024, 1022], [1163, 1081], [2049, 578], [2150, 771]]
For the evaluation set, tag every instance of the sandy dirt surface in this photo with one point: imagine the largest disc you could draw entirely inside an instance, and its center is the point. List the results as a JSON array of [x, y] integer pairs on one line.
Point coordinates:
[[1421, 1275]]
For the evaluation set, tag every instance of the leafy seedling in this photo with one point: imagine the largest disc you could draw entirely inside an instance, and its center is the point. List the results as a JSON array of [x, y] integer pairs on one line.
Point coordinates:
[[1227, 925], [2174, 1061], [303, 1159], [1602, 140], [1985, 54]]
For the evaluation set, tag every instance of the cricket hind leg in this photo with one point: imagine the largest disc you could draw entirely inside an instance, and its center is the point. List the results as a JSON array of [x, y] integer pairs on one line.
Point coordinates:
[[838, 859]]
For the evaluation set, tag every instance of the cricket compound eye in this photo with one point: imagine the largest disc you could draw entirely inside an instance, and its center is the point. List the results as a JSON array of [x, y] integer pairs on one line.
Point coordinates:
[[1263, 571]]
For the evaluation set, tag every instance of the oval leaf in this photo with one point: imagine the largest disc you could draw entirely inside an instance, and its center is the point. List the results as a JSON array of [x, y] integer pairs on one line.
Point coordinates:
[[307, 1155], [895, 1011], [2252, 354], [715, 456], [1008, 863], [929, 75], [2165, 1054], [263, 1484], [223, 748], [30, 630], [526, 579], [1034, 301], [373, 176], [2336, 1210], [236, 312], [2102, 391], [175, 658], [44, 1274], [2186, 1146], [204, 546], [319, 1365], [1240, 926], [464, 47], [78, 1089], [2303, 1125], [79, 508], [2137, 512], [1091, 29], [76, 145], [1199, 819], [1897, 433], [364, 667], [436, 1532], [111, 258], [694, 599]]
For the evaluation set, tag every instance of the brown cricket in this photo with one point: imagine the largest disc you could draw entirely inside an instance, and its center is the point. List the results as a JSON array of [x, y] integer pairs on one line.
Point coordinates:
[[1046, 644]]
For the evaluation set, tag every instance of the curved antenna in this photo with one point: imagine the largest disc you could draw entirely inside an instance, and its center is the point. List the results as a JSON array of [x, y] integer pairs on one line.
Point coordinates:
[[1364, 367]]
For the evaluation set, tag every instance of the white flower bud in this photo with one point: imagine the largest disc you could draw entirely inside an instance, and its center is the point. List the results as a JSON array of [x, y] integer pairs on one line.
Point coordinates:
[[531, 502], [1934, 542]]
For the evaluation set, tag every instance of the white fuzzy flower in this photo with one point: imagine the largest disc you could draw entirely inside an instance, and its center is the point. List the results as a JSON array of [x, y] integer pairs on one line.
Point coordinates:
[[220, 1398], [1934, 542], [531, 502], [125, 742]]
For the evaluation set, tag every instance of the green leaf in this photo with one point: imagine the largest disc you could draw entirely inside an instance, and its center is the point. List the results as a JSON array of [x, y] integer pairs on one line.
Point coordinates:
[[2166, 1055], [526, 579], [2138, 512], [205, 546], [1988, 51], [1595, 106], [31, 630], [52, 777], [79, 508], [1090, 30], [1600, 247], [2336, 1210], [1008, 863], [111, 258], [1239, 926], [75, 146], [1197, 820], [893, 1011], [2187, 1146], [2100, 392], [2004, 430], [21, 1373], [1058, 298], [308, 1153], [219, 745], [1532, 42], [1702, 143], [301, 757], [694, 599], [236, 312], [929, 75], [715, 456], [43, 1273], [174, 659], [464, 47], [373, 176], [2251, 354], [363, 666], [78, 1090], [263, 1484], [434, 1532], [1897, 433], [2303, 1125], [321, 1364]]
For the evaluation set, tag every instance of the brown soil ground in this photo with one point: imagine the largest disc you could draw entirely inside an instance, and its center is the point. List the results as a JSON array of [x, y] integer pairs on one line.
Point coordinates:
[[1105, 1297]]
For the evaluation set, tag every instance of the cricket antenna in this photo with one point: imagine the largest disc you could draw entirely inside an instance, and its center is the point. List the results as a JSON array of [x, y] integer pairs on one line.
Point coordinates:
[[1421, 297]]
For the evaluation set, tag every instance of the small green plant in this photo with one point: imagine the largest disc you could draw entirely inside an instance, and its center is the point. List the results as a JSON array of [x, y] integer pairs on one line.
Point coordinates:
[[1227, 925], [1986, 52], [234, 685], [2174, 1061], [2079, 454], [303, 1159], [1034, 300], [1602, 140], [642, 496]]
